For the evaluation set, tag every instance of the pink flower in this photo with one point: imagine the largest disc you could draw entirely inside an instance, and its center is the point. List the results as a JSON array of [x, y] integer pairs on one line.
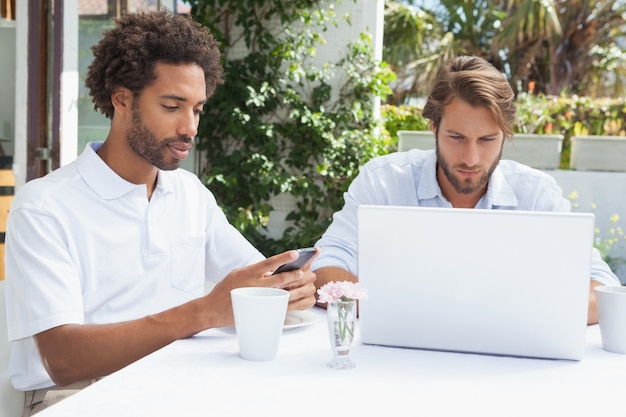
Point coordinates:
[[341, 290]]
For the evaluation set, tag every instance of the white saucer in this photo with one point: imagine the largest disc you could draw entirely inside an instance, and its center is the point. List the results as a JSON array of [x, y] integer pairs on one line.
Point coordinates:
[[299, 318], [293, 320]]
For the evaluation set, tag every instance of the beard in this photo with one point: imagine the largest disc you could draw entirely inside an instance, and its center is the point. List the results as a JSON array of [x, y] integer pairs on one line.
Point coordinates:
[[465, 185], [145, 144]]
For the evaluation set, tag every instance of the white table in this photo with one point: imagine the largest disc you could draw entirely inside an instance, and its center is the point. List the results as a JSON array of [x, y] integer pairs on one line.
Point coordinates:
[[204, 375]]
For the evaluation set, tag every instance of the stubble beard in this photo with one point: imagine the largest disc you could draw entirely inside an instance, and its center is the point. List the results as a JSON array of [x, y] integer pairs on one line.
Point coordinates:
[[465, 185], [146, 145]]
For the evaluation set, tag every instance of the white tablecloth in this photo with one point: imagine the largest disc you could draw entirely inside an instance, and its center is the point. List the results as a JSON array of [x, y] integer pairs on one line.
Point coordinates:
[[204, 375]]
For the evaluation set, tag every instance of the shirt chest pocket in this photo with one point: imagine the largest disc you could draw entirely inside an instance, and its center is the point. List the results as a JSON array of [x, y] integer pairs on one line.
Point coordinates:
[[188, 262]]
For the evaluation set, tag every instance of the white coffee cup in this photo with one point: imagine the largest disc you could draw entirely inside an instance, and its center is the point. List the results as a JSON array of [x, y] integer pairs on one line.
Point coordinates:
[[259, 318], [611, 304]]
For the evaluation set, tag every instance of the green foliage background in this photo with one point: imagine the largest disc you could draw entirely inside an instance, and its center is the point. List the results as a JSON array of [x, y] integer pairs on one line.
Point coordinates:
[[281, 124], [284, 123]]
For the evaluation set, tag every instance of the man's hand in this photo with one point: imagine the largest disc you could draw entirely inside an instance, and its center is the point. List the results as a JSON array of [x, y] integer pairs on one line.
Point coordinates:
[[330, 274], [592, 314], [300, 284]]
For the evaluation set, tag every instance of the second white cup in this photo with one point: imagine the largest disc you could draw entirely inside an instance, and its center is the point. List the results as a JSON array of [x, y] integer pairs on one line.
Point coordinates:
[[259, 318], [611, 303]]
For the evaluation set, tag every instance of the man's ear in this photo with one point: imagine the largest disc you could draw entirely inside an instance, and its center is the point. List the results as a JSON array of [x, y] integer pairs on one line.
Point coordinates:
[[122, 99]]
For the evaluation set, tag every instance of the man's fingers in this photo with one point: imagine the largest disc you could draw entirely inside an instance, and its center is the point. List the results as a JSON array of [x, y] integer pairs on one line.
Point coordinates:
[[310, 261], [273, 262], [284, 279]]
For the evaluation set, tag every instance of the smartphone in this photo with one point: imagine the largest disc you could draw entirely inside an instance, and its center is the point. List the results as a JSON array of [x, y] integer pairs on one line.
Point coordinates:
[[305, 255]]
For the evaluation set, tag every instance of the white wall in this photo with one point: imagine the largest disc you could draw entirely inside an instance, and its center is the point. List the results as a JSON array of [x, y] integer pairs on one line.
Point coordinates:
[[366, 16], [21, 90], [69, 85]]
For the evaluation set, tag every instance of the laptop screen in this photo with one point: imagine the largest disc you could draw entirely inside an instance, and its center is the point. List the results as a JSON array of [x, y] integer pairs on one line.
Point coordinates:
[[482, 281]]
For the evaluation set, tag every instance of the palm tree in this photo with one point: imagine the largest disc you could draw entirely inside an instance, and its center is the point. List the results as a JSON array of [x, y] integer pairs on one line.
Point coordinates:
[[565, 46], [407, 38], [543, 46], [417, 39]]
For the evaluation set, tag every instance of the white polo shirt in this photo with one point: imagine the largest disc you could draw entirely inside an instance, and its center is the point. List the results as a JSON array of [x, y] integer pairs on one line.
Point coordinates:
[[85, 246]]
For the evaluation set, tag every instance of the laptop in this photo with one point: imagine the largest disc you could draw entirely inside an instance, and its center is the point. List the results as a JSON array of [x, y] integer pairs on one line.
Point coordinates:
[[499, 282]]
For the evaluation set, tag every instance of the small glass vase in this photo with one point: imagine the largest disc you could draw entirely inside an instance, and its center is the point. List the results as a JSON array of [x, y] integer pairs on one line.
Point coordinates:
[[341, 317]]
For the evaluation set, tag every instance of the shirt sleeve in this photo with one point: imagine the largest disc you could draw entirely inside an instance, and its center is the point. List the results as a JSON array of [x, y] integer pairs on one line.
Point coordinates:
[[48, 292], [600, 270], [226, 247], [338, 245]]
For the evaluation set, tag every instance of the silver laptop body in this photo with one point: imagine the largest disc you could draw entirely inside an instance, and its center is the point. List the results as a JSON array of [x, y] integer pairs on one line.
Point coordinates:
[[499, 282]]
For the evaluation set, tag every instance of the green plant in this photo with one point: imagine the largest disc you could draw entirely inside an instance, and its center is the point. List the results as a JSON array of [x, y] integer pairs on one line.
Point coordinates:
[[281, 123], [402, 118], [534, 114], [605, 240]]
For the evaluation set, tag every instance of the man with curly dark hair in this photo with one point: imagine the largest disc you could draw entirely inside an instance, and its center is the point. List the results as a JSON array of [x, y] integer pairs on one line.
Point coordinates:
[[176, 40], [107, 257]]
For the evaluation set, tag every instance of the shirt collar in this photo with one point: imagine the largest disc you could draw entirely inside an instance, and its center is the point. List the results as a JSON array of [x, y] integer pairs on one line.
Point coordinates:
[[106, 182], [499, 192], [427, 186]]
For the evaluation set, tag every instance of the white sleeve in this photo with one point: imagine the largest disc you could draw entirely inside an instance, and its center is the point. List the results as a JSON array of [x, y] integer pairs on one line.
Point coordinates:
[[226, 247]]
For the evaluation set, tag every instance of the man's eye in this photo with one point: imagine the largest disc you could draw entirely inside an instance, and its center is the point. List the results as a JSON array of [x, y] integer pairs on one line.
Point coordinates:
[[169, 108]]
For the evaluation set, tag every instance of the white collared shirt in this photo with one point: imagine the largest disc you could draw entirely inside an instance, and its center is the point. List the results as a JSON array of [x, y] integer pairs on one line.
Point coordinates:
[[410, 179], [83, 245]]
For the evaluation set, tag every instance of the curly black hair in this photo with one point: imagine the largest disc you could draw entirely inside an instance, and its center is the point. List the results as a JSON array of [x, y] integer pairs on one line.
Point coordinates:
[[127, 54]]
